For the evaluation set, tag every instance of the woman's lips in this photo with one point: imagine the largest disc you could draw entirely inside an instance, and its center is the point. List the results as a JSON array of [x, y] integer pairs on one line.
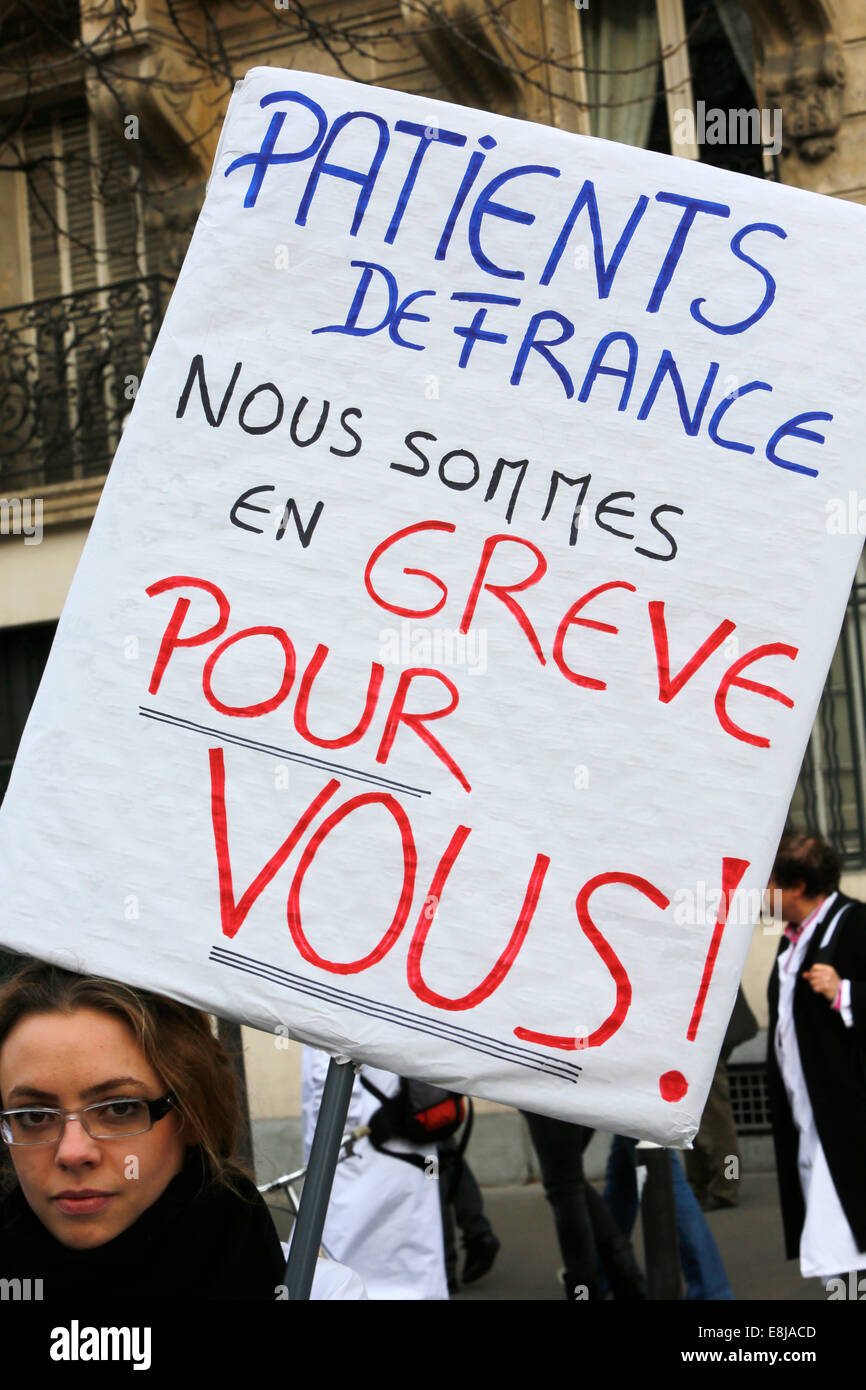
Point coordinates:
[[84, 1203]]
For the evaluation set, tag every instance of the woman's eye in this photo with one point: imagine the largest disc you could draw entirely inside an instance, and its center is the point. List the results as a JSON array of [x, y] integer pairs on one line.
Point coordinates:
[[120, 1111], [33, 1119]]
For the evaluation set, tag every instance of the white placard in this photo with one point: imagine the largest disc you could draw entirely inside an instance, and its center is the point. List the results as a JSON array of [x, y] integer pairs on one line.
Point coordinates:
[[450, 631]]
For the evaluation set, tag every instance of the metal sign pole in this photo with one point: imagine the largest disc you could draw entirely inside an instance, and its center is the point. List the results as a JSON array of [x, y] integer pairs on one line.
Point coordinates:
[[324, 1153]]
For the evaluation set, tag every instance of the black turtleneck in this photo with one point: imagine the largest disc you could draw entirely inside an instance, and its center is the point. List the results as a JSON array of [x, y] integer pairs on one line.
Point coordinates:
[[198, 1240]]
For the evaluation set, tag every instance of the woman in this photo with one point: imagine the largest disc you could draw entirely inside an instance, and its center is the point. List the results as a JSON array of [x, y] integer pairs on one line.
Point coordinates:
[[120, 1112]]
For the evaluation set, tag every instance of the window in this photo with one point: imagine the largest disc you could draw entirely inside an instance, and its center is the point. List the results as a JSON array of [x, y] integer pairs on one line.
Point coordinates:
[[82, 207], [69, 354], [829, 793], [650, 61], [23, 654]]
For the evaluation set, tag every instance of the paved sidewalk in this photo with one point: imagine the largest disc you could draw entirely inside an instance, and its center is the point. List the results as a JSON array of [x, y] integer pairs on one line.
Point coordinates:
[[749, 1238]]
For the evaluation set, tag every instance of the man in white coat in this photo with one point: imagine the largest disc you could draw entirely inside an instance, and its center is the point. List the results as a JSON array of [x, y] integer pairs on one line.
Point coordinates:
[[384, 1218], [816, 1062]]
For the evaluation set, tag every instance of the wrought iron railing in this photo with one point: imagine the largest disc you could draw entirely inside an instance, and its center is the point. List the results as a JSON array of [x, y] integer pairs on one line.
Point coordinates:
[[69, 370], [829, 794]]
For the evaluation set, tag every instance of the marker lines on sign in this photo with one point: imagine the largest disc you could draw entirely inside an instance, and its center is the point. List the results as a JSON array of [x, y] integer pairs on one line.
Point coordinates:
[[323, 764], [360, 1003]]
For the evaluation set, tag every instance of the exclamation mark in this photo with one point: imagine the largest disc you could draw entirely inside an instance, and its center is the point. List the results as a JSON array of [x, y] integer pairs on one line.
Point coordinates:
[[672, 1084]]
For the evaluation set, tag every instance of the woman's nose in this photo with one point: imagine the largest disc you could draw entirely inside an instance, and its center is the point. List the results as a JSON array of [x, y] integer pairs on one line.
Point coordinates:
[[75, 1145]]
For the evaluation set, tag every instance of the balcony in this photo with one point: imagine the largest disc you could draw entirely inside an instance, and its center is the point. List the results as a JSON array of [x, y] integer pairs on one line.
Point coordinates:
[[69, 371]]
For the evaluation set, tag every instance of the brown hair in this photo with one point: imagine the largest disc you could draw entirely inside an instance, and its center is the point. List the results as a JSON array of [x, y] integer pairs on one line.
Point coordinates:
[[176, 1039], [809, 859]]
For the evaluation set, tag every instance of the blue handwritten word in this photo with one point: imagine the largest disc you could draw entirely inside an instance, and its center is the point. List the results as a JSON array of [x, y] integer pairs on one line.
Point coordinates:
[[352, 148], [320, 140]]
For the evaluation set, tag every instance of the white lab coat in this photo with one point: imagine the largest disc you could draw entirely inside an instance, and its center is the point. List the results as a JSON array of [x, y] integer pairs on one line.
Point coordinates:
[[827, 1244], [384, 1218], [332, 1281]]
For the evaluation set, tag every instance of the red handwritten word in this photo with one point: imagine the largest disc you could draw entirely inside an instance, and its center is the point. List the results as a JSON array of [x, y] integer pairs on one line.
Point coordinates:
[[234, 911], [399, 712], [496, 551], [669, 686]]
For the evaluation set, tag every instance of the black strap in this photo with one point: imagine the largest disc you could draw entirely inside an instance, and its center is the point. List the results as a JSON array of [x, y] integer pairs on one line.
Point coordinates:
[[467, 1127], [415, 1159], [374, 1090]]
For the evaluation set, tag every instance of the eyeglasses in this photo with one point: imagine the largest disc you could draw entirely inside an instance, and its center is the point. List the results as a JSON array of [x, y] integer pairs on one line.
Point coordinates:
[[107, 1119]]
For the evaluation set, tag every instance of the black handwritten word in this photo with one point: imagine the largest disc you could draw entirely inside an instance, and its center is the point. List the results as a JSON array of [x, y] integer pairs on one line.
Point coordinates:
[[262, 410], [460, 470], [290, 513]]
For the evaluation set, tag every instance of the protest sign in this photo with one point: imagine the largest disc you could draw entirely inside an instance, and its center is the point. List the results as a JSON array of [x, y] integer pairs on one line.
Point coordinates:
[[438, 670]]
